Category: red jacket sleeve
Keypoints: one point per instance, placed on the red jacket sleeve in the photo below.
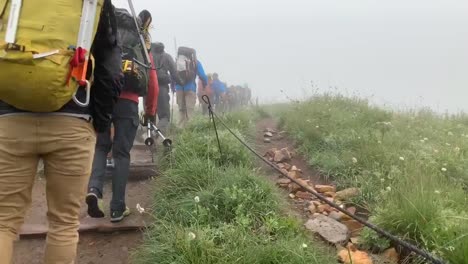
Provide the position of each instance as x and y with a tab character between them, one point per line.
153	91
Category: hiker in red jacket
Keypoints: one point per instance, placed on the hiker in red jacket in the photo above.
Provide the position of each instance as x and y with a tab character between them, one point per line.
126	121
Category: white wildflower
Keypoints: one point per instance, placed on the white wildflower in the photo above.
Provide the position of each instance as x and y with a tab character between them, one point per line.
382	180
359	137
304	245
450	133
388	188
422	141
426	139
402	158
436	151
308	121
437	192
140	209
457	149
448	144
238	121
354	160
444	169
380	142
317	126
197	199
191	236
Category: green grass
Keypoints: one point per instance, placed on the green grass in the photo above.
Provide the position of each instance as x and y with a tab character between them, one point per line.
212	208
412	167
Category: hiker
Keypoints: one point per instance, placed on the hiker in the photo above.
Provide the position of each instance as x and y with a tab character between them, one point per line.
208	91
188	68
219	89
41	118
167	74
125	119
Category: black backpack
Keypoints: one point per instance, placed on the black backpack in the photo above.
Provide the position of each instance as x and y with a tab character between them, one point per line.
135	71
186	65
157	49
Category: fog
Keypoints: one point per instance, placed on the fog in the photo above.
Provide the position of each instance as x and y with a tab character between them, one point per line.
402	53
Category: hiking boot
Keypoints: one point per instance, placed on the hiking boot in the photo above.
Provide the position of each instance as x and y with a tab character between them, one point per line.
95	205
110	163
117	216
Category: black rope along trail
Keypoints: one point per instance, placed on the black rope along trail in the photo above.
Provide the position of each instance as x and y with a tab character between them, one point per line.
423	253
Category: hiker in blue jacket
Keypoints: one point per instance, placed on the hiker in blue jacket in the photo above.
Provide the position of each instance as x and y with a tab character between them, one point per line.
219	89
187	94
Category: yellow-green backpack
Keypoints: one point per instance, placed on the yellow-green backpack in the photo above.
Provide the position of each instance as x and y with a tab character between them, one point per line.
44	51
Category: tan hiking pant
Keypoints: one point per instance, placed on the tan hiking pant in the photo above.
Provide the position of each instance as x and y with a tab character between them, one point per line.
186	106
66	145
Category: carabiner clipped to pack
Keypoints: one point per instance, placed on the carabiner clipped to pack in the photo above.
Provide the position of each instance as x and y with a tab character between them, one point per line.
88	95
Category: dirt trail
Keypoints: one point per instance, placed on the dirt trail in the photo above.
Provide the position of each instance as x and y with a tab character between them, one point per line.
280	142
100	241
299	161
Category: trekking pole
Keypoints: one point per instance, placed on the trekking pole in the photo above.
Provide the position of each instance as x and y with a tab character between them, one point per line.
149	141
140	34
172	104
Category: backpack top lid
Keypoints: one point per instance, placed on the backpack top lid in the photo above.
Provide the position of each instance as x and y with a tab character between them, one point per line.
187	52
128	33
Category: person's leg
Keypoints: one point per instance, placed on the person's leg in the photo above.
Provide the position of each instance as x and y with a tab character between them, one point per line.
191	100
98	172
18	165
67	145
126	124
181	102
164	112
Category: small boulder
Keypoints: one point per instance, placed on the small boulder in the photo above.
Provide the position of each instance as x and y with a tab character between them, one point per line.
354	227
267	140
293	187
312	208
282	155
348	256
284	182
270	153
335	215
351	210
329	229
323	208
288	166
347	194
304	195
325	188
316	203
391	255
294	174
269	130
268	134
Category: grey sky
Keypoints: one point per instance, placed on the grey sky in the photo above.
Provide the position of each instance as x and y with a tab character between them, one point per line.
405	52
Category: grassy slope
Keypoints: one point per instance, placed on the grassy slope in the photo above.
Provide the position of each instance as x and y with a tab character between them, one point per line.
411	167
213	209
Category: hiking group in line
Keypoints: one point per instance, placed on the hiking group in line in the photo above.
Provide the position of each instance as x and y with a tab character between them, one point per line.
69	98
